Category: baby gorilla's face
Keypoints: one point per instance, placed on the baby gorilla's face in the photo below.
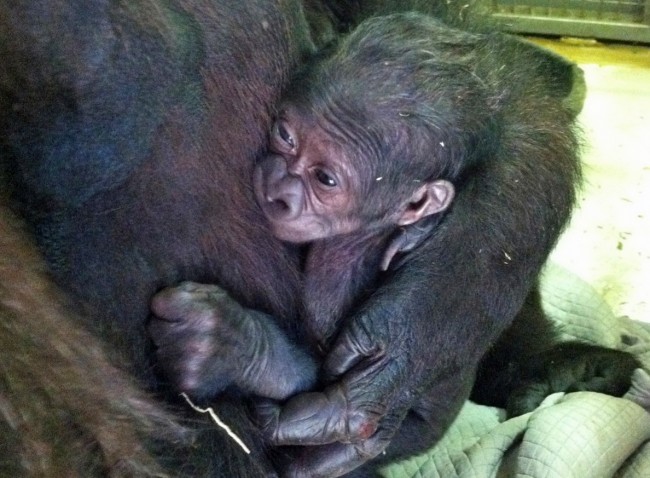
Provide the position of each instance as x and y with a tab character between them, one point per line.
306	186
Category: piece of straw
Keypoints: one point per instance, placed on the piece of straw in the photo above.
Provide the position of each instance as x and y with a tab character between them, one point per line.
219	423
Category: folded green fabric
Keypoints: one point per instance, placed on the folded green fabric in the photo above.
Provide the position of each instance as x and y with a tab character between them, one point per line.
577	435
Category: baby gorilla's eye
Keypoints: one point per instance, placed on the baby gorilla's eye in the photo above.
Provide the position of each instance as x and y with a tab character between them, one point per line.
325	179
284	135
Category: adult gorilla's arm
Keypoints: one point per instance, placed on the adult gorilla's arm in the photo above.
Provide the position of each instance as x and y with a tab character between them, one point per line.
416	343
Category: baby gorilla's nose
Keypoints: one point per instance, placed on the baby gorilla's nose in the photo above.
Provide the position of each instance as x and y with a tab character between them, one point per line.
280	194
285	198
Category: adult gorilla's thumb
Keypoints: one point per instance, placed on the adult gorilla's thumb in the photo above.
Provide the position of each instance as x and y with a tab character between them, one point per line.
354	344
315	418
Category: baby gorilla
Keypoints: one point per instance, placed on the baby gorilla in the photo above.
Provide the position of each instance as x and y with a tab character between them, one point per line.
369	144
355	180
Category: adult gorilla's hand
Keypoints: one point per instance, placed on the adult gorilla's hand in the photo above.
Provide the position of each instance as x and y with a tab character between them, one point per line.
388	360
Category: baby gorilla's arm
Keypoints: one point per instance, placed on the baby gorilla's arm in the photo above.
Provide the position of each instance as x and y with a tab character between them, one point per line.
207	342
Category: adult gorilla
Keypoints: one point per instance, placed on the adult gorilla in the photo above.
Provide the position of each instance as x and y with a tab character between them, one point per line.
129	132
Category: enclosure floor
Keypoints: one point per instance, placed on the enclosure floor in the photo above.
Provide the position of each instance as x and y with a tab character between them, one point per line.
608	240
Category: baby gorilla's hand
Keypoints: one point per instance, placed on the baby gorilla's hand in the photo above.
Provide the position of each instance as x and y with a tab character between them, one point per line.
207	342
195	327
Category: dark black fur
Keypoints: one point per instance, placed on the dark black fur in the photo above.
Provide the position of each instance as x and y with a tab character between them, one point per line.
128	135
529	362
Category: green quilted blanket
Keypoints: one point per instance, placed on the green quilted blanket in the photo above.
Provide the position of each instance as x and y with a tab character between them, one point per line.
577	435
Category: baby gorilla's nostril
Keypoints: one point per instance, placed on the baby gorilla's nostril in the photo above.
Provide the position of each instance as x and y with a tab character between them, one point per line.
280	207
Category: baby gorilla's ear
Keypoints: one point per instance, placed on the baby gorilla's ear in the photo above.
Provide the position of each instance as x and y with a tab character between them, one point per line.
429	198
